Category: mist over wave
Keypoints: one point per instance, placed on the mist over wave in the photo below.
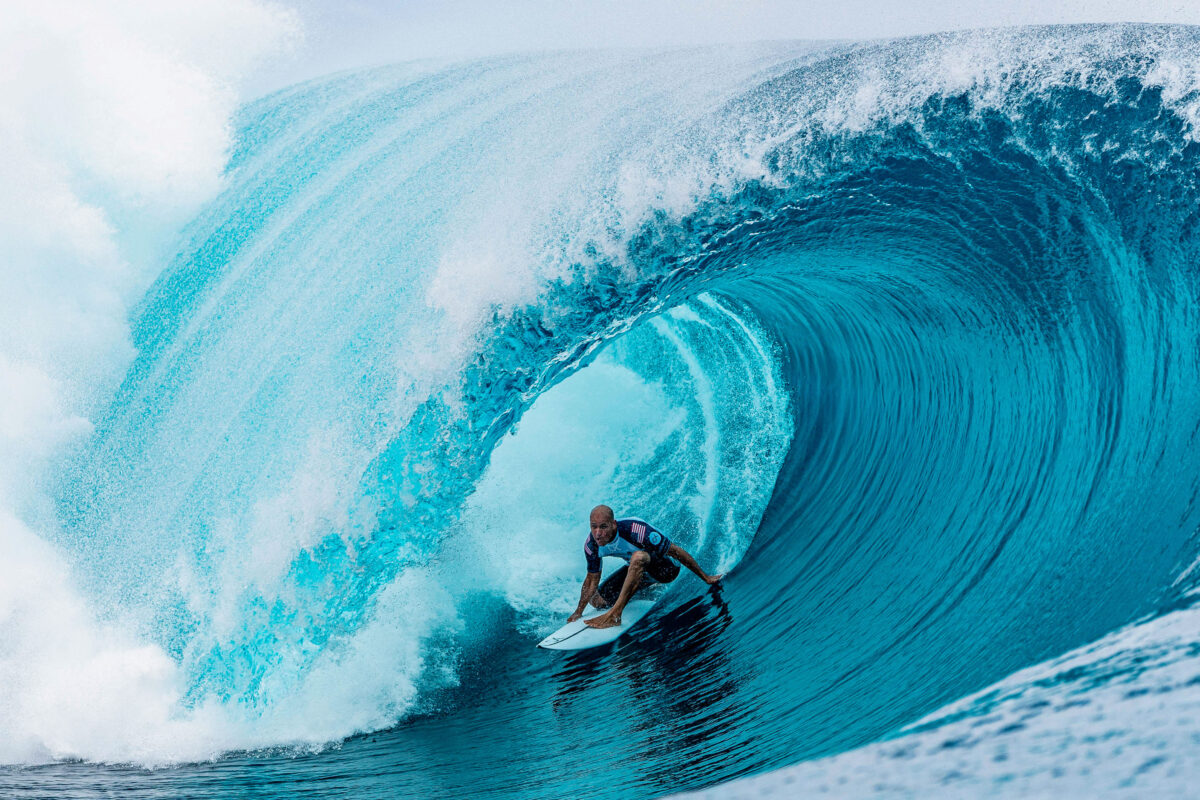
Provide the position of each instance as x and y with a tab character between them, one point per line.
901	333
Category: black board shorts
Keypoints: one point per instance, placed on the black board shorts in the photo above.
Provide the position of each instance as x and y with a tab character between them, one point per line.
659	570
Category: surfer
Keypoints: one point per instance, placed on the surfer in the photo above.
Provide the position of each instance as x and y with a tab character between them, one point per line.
649	554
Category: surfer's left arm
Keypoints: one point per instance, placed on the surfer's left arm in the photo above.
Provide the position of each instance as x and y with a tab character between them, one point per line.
684	557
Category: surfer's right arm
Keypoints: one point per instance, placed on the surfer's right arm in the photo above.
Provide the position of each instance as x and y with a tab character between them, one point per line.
591	555
589	593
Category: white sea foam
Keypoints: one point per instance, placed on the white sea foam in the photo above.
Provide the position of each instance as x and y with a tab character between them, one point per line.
115	127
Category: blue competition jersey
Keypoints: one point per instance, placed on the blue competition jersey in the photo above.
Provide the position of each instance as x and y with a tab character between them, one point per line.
633	534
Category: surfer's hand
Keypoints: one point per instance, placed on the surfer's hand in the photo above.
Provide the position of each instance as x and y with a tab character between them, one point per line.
575	616
603	621
713	580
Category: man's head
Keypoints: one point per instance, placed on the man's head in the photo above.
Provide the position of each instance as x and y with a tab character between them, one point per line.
604	525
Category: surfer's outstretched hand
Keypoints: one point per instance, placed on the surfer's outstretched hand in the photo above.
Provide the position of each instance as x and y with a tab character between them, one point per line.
603	621
713	580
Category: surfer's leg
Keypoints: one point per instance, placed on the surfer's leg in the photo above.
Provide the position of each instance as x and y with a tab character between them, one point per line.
610	590
660	570
633	579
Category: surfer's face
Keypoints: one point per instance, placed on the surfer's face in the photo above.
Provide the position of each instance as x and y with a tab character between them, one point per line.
603	530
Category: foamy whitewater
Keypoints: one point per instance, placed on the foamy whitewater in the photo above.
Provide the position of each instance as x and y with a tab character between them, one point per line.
304	402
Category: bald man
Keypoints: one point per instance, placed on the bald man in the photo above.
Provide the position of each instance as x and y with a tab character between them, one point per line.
649	554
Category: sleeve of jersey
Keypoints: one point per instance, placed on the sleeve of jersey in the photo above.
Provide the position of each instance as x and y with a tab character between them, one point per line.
592	557
651	539
659	541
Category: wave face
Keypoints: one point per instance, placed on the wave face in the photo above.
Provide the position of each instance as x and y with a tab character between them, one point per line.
901	334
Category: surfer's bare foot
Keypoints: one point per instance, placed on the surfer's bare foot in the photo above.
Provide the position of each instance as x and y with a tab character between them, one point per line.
603	621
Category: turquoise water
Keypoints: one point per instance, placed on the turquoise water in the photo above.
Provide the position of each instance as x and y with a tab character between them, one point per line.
901	334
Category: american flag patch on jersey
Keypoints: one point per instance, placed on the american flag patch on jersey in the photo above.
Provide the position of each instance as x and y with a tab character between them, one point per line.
639	529
587	546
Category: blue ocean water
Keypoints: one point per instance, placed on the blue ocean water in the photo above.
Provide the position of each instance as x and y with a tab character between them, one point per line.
901	334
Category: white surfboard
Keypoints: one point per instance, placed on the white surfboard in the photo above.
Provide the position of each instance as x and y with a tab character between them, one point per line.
578	636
